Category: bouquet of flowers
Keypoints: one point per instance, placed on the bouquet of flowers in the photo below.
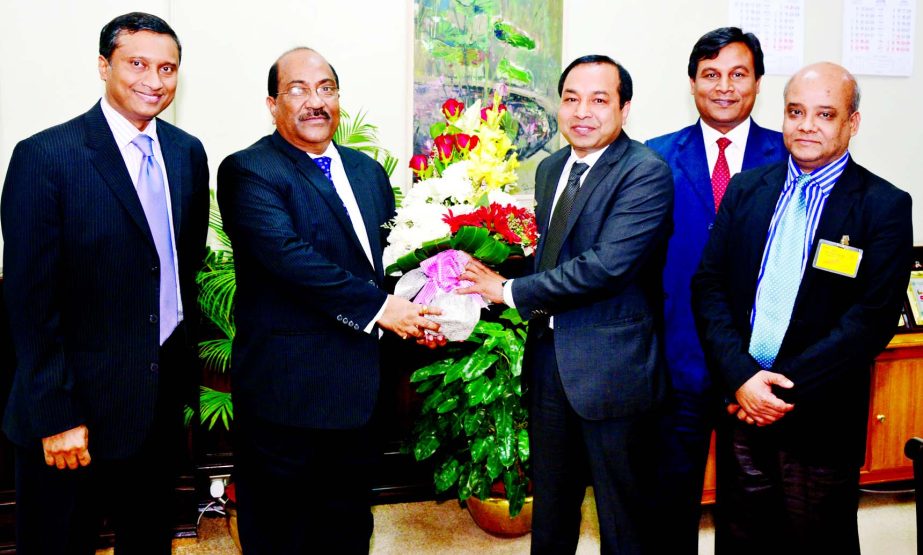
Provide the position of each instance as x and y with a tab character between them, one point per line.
473	423
460	205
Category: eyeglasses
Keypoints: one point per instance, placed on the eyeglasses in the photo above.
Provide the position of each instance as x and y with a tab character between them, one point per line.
323	91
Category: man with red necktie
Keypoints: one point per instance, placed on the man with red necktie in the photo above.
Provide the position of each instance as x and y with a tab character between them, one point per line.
725	68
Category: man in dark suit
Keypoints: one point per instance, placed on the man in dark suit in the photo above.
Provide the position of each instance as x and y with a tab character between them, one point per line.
725	69
105	218
799	288
305	216
596	368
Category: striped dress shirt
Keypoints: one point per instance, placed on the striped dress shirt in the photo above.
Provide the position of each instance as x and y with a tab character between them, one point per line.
816	192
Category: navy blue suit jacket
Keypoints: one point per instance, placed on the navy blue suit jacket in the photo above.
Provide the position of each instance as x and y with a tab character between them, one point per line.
605	293
305	288
82	281
693	216
838	324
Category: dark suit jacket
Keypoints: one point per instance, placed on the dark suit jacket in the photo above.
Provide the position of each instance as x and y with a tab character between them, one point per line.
605	293
839	324
693	216
305	288
82	281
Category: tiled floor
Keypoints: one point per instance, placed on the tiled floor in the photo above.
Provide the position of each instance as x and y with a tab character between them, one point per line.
886	527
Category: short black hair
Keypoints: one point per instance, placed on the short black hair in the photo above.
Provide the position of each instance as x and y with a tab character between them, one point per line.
272	82
131	23
625	88
710	44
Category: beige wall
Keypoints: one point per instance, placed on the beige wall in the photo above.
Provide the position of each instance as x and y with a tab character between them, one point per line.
48	68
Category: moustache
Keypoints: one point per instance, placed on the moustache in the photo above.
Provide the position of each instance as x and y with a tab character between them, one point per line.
314	113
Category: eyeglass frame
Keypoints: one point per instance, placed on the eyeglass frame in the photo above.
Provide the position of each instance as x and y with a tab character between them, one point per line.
308	91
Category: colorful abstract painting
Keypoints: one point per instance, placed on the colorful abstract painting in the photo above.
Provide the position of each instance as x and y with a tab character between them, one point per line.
464	49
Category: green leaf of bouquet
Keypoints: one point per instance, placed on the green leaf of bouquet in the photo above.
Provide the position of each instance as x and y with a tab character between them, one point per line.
522	444
446	475
472	371
447	405
473	421
512	35
512	315
494	468
433	369
515	490
468	238
433	401
425	447
491	251
481	447
513	72
476	390
436	129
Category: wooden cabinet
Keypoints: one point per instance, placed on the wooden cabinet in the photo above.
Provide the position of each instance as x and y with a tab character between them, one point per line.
895	414
895	411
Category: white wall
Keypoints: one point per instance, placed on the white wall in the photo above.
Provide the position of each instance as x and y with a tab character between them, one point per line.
48	73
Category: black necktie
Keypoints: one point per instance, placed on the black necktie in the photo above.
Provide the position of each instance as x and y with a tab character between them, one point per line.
554	238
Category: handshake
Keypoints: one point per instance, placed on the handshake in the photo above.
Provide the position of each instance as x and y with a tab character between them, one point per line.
408	319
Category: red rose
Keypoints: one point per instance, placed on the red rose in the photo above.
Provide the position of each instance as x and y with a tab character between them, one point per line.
445	146
500	109
419	163
452	108
466	142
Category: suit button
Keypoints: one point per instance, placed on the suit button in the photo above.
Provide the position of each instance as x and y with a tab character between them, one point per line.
372	281
339	317
155	269
155	367
152	318
356	327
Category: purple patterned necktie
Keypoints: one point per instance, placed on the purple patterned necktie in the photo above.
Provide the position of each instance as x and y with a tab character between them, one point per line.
323	162
154	201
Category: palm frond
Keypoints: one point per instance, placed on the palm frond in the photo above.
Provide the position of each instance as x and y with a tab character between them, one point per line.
216	353
214	406
216	224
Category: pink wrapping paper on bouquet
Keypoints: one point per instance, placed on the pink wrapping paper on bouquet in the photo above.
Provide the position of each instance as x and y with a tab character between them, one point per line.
434	283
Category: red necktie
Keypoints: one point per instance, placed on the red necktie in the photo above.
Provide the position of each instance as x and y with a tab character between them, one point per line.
721	174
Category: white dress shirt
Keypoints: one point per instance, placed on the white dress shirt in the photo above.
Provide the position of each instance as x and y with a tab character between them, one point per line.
345	192
734	151
124	133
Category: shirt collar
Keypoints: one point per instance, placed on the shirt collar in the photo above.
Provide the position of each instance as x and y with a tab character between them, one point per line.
589	159
331	153
737	136
824	177
123	130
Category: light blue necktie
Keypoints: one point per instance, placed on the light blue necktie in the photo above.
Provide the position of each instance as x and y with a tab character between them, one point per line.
154	201
323	162
781	278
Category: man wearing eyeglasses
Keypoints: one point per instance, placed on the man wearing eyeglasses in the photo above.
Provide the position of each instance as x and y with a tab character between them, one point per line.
305	216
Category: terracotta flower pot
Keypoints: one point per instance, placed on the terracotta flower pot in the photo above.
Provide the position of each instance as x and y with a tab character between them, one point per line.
232	527
493	516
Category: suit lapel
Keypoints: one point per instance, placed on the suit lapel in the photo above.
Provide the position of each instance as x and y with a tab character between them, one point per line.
693	163
593	179
109	163
366	197
761	150
324	187
173	159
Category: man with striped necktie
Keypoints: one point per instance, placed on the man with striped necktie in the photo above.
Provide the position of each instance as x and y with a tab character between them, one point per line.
797	292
